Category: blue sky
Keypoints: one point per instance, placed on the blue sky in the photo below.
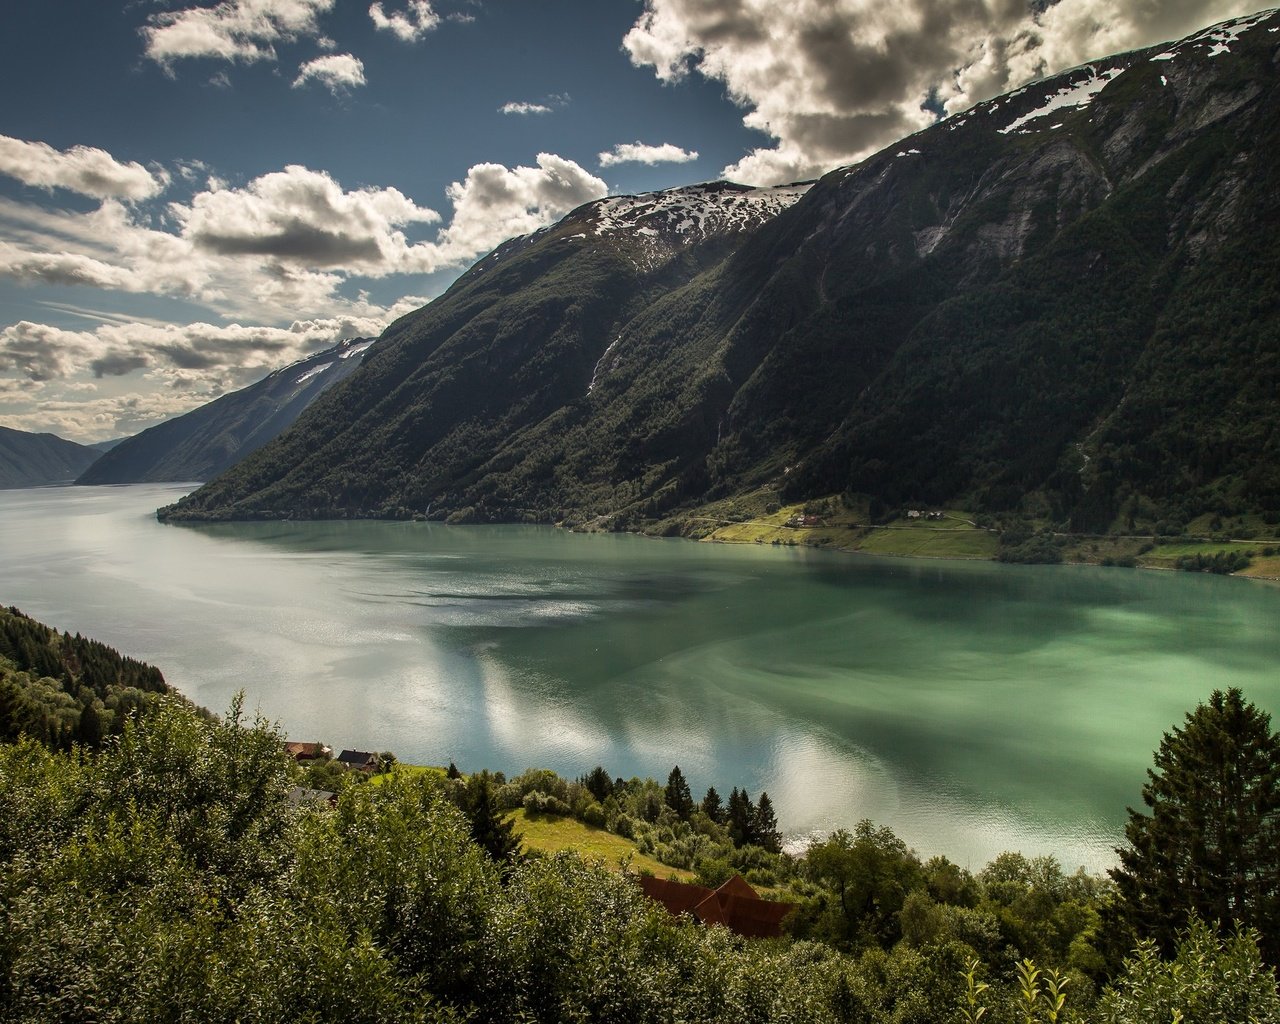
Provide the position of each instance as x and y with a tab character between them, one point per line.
194	193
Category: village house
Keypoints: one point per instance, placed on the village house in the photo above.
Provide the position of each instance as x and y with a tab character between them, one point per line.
301	796
300	751
364	760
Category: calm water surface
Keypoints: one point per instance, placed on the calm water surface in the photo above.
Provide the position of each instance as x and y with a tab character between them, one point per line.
973	707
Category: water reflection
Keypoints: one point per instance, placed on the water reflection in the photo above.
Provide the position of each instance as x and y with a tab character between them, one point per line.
973	707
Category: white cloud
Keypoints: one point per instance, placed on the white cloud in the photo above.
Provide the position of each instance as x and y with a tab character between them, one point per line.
410	24
218	354
494	202
83	169
242	30
177	367
522	107
337	72
304	218
639	153
834	80
284	243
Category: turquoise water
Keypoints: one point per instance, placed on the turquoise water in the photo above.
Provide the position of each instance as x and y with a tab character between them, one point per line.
973	707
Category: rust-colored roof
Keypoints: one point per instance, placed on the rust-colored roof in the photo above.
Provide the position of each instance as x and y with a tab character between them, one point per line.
677	897
298	749
735	905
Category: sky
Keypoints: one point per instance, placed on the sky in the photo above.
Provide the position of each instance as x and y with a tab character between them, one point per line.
193	194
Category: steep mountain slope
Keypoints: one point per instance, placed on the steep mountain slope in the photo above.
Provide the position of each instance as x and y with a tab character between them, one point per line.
34	460
1065	300
202	443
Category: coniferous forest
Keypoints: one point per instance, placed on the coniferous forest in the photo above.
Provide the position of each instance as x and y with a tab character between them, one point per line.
162	873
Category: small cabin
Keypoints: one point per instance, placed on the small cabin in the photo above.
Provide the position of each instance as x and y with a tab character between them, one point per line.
364	760
300	751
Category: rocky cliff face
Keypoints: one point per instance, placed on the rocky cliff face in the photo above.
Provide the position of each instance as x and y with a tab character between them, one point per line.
1060	298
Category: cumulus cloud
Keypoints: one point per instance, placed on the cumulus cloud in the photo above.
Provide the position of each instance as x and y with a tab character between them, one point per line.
303	217
834	80
91	172
285	242
524	108
639	153
337	72
203	353
234	30
495	202
410	24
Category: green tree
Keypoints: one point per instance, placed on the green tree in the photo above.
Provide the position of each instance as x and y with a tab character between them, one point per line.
678	796
712	806
1211	980
598	783
869	872
1211	844
490	828
742	815
765	825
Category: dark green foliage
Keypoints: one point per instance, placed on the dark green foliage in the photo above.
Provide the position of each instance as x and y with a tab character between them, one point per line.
1210	845
599	783
764	823
490	827
869	873
1210	980
1221	563
712	807
677	794
62	689
741	813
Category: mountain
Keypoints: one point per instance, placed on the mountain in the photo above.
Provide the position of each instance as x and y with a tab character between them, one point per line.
202	443
1063	302
35	460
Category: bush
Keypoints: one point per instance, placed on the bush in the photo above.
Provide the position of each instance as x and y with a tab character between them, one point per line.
542	803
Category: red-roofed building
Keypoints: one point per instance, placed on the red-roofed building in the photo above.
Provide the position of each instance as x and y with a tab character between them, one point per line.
735	905
300	751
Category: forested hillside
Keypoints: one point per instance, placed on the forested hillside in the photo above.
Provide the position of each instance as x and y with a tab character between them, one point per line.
63	689
1056	304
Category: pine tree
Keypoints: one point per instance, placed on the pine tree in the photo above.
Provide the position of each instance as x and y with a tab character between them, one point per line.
765	826
1211	844
742	813
678	795
598	783
712	807
490	828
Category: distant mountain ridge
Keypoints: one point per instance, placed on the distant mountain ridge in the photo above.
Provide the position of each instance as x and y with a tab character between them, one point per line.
37	460
1064	301
202	443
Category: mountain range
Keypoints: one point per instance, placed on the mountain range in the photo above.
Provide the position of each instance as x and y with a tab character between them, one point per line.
1062	303
37	460
202	443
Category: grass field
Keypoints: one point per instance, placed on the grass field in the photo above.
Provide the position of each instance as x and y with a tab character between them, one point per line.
551	834
409	769
950	537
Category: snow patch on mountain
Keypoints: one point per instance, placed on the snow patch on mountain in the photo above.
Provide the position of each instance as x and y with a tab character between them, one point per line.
1218	38
656	225
1074	95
